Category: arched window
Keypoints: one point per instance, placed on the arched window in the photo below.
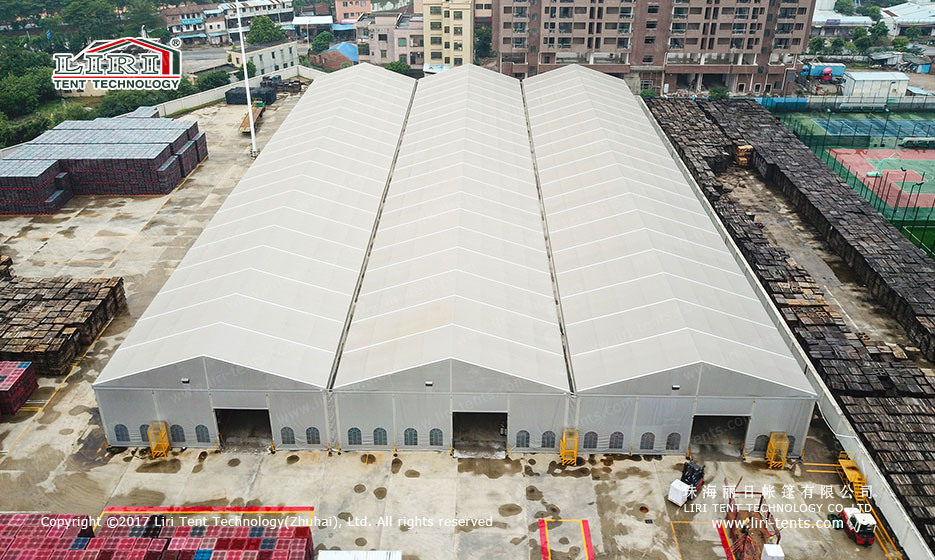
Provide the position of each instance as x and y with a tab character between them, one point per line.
522	438
287	435
791	444
201	434
353	436
647	441
177	433
761	443
590	440
144	433
616	440
122	433
313	436
673	441
379	436
548	440
435	437
411	437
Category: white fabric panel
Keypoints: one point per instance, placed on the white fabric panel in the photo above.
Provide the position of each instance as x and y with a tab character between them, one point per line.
298	411
422	412
604	416
187	409
778	415
132	409
719	406
662	416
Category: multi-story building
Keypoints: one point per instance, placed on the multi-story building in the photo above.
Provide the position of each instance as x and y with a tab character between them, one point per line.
187	22
393	36
268	57
348	11
666	45
448	28
280	11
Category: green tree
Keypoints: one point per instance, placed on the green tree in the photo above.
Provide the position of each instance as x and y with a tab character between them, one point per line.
900	43
863	44
816	45
141	13
718	93
397	66
160	33
837	45
878	31
858	32
482	38
92	19
71	111
251	69
873	12
263	30
21	94
297	5
322	42
649	94
211	80
913	33
845	7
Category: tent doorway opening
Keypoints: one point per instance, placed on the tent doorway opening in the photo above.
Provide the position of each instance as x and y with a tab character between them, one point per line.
722	436
479	434
241	429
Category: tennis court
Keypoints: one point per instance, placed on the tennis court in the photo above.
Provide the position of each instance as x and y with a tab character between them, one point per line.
901	178
895	128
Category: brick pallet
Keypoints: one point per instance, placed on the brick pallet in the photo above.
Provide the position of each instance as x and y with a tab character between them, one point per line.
889	401
17	382
47	322
131	156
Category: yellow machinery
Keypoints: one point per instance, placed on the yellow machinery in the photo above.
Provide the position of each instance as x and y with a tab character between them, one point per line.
742	155
777	450
158	434
851	477
569	448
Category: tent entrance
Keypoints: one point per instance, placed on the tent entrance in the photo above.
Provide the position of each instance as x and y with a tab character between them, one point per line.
239	428
479	434
718	436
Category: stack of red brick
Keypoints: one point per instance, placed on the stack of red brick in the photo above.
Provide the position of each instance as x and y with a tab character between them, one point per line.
17	382
70	537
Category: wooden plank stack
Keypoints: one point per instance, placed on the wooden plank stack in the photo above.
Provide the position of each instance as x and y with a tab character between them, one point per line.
888	399
136	155
48	322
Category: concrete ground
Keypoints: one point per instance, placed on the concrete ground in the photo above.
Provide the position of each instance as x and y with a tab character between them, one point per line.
429	505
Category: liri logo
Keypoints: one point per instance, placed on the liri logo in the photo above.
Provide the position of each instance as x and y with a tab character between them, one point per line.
127	63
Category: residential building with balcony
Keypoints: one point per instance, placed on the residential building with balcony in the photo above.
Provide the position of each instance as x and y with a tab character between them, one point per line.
448	28
748	46
392	36
196	23
280	11
348	11
268	57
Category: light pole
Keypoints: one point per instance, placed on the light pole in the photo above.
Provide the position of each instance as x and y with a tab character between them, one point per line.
246	85
828	124
883	137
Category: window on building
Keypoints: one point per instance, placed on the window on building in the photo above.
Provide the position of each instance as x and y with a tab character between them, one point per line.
648	59
435	10
354	437
144	433
177	433
459	30
402	42
458	15
519	42
457	62
287	435
436	55
122	433
652	24
447	60
761	443
519	11
436	40
313	436
652	9
590	440
616	440
435	25
649	40
201	434
402	58
673	441
548	440
435	437
382	53
623	43
647	441
379	436
411	437
522	439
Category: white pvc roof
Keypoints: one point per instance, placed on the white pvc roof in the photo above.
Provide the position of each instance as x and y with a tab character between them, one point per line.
646	282
269	282
459	267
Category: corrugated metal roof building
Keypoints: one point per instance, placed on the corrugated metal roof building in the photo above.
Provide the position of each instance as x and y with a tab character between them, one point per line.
531	253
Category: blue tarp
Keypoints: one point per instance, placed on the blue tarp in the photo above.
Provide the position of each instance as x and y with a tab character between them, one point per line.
342	26
193	36
347	49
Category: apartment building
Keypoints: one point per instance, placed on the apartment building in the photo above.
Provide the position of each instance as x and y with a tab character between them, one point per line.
448	28
748	46
347	11
268	57
280	11
392	36
195	23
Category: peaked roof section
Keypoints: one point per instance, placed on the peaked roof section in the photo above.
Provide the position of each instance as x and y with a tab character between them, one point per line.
646	282
459	267
269	282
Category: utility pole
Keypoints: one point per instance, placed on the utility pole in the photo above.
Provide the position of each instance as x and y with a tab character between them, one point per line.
246	85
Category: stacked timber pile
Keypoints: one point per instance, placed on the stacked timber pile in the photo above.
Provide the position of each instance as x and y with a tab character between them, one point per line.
48	322
896	272
117	156
6	266
889	400
17	382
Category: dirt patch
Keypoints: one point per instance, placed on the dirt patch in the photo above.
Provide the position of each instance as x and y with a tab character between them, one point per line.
49	416
563	540
91	452
517	540
138	498
397	464
380	493
404	528
556	469
492	468
413	474
233	463
360	489
550	510
161	466
345	516
198	468
80	410
66	432
508	510
292	459
533	493
360	541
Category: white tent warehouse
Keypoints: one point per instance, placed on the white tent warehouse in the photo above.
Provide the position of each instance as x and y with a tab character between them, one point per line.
456	262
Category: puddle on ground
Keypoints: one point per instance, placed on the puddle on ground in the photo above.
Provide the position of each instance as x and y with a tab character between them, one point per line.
360	488
292	459
412	474
162	466
380	493
492	468
507	510
360	541
397	464
233	463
